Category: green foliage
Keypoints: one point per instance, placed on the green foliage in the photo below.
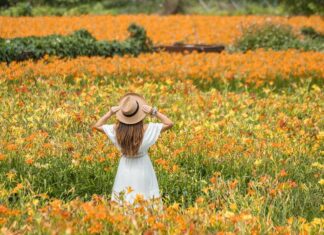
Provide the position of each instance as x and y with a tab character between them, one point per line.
269	36
277	37
79	43
304	7
314	40
79	7
227	7
47	2
312	33
60	178
21	9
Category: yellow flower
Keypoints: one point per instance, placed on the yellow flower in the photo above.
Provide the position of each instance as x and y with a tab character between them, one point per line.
318	221
233	206
247	217
175	206
257	162
139	197
129	189
11	175
320	135
290	220
318	165
228	214
35	202
316	88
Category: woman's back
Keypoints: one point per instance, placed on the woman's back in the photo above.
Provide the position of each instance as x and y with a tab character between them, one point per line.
151	134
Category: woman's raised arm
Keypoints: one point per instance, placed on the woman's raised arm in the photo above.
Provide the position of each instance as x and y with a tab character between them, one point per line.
167	123
104	118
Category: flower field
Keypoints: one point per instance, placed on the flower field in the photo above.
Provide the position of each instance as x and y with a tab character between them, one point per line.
167	30
239	160
204	69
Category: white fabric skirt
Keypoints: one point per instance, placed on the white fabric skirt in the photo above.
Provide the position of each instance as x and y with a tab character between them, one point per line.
137	173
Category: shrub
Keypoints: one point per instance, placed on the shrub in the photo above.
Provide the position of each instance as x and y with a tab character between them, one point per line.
313	40
312	33
268	36
304	7
79	43
21	9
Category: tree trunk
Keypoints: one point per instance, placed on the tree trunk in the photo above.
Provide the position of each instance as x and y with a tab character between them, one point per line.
171	7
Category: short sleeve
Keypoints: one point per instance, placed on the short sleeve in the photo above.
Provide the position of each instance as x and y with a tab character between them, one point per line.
154	132
110	132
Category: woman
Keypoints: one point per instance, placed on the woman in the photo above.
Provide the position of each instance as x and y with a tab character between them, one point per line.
135	173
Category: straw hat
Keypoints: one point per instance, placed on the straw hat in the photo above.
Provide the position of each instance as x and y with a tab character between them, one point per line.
130	108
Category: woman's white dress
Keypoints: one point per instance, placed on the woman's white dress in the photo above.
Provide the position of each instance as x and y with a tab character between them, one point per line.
136	172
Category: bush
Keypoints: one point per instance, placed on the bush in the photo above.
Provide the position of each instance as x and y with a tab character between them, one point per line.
79	43
312	33
304	7
21	9
278	37
268	36
313	40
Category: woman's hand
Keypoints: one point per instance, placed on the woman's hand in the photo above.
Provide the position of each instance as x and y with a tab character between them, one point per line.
147	109
114	109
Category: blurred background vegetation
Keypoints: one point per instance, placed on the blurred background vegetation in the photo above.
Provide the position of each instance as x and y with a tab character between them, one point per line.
213	7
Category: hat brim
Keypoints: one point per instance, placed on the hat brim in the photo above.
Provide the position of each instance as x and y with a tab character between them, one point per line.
140	114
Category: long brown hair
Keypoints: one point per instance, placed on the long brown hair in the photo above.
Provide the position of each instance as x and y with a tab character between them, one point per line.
129	137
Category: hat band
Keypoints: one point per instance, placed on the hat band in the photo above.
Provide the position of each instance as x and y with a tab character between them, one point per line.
133	113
